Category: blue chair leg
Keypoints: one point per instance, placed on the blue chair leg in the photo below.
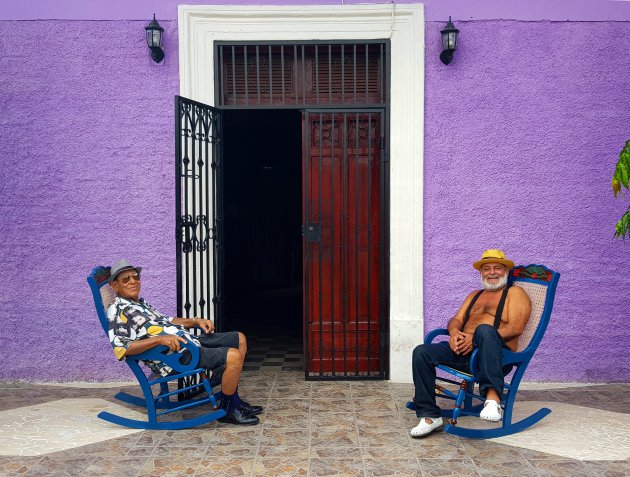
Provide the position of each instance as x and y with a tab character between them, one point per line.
461	396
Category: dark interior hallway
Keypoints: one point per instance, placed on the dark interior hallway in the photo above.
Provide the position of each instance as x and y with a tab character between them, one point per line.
262	210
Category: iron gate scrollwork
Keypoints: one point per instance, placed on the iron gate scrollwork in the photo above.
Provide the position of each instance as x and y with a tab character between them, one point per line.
198	212
195	233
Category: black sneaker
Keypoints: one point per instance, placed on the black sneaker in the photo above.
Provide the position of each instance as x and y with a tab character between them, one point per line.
250	410
240	418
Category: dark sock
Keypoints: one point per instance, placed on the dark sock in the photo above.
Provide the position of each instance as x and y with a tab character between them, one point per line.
230	402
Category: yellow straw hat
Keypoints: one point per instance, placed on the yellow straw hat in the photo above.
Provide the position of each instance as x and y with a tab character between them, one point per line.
493	256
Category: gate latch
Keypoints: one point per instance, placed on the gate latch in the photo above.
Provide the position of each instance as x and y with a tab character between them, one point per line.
312	232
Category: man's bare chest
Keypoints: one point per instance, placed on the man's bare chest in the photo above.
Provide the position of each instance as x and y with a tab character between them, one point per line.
485	305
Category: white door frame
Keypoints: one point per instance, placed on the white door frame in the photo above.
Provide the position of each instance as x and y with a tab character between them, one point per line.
200	26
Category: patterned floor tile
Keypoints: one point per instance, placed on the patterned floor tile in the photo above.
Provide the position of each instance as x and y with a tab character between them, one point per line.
381	436
400	467
430	448
225	467
339	428
609	468
284	437
114	467
561	468
295	451
168	467
334	438
214	450
334	405
448	468
182	438
333	420
288	405
365	422
286	420
348	467
376	405
487	450
61	466
504	467
279	466
335	452
17	465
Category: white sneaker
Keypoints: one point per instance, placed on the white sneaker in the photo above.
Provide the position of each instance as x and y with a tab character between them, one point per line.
424	428
491	411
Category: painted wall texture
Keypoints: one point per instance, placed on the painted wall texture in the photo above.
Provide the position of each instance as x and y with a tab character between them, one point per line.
522	132
87	152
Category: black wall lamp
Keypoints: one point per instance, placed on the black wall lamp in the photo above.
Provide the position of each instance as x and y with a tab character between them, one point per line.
154	39
449	42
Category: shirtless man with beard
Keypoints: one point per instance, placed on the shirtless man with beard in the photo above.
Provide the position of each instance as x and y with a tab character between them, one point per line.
489	320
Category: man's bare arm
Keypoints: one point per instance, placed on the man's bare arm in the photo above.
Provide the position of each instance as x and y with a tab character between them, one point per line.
206	325
140	346
518	311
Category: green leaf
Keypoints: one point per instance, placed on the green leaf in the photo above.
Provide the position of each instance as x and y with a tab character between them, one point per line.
622	228
624	174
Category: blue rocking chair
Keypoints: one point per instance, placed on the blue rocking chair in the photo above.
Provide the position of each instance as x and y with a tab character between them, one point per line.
103	296
540	284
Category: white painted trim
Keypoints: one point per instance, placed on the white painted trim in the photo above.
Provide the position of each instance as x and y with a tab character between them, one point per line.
201	26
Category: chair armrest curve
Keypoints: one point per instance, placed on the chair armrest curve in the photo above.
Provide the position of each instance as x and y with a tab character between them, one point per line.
510	357
162	353
431	335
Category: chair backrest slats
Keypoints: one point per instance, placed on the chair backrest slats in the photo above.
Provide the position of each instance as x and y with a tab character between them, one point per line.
102	293
540	284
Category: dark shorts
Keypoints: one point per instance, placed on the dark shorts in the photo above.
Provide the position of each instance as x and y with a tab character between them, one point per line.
214	348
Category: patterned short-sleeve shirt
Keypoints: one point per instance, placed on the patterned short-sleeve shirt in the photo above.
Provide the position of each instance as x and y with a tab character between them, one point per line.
131	320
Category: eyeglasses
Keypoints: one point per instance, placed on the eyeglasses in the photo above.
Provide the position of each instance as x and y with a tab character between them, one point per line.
124	280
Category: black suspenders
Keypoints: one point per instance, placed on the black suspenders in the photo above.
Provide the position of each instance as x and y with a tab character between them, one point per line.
497	316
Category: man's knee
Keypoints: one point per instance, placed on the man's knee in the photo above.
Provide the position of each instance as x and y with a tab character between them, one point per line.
242	339
484	332
420	353
234	358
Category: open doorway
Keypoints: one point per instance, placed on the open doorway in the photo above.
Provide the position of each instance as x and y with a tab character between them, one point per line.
262	206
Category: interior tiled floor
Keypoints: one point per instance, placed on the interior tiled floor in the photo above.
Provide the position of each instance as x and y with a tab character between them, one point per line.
274	354
311	428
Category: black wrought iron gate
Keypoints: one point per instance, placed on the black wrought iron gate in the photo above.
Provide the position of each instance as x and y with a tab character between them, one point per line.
198	209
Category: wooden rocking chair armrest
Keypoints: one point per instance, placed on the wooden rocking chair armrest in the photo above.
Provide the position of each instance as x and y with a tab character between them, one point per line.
511	357
431	335
161	353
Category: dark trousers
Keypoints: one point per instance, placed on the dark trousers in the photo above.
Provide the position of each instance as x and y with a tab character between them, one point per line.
426	357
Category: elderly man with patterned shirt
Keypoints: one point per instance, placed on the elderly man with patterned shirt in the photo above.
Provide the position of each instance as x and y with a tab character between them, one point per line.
488	320
135	326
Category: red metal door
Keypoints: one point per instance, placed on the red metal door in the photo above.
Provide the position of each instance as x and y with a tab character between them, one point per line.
343	200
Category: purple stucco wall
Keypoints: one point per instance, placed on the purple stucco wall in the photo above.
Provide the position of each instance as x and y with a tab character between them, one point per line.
87	147
435	10
522	131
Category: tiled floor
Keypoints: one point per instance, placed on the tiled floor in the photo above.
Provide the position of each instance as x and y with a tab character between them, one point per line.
311	428
274	354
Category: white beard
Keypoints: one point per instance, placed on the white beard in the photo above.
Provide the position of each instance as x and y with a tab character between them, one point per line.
500	284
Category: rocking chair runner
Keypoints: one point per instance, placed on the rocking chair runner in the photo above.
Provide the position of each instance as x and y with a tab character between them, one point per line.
540	284
103	296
